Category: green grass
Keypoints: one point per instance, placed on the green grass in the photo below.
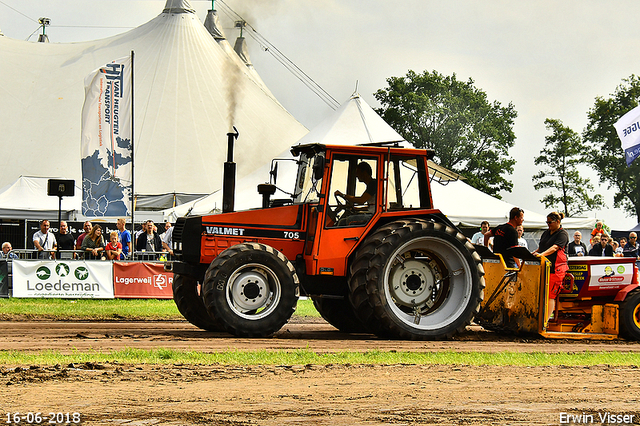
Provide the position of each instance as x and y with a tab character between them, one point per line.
306	356
110	309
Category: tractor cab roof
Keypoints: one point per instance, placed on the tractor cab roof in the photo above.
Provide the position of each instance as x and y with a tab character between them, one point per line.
314	148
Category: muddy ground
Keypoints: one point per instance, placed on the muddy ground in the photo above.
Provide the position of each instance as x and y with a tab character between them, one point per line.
124	394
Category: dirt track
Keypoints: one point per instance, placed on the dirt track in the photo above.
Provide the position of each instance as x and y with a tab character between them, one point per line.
111	393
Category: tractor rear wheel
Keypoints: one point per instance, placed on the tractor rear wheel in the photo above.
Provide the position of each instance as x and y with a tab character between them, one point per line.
340	314
251	289
630	316
423	281
191	305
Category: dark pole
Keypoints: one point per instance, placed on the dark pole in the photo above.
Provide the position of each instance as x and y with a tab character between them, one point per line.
59	211
133	226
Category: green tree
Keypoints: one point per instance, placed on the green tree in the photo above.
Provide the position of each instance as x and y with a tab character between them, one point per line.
561	154
605	154
469	134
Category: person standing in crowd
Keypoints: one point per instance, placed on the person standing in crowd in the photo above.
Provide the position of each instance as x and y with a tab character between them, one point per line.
124	236
597	231
505	236
6	251
478	237
143	230
149	241
602	247
553	244
93	243
65	241
167	240
113	249
632	248
521	241
44	241
167	226
577	247
617	250
87	228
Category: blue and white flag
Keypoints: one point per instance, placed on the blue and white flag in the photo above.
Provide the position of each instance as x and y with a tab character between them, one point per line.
628	128
106	141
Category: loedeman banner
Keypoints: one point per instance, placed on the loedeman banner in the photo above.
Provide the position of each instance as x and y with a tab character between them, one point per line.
106	141
142	280
66	280
628	128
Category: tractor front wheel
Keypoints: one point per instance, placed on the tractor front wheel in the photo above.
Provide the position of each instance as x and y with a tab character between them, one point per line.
251	289
630	316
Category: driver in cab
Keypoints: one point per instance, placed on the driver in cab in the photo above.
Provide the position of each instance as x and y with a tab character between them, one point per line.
363	174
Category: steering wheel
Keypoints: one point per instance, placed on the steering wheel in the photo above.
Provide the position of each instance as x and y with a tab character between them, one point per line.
343	204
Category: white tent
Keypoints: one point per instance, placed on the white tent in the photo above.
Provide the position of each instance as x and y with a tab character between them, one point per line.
354	123
26	198
189	90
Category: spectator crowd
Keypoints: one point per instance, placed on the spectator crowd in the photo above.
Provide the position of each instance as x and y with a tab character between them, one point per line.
92	244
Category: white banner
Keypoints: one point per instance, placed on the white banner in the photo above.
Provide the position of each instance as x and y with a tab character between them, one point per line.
60	279
106	141
628	128
611	276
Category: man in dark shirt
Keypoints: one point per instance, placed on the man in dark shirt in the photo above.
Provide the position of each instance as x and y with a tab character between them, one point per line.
577	247
505	236
65	241
632	248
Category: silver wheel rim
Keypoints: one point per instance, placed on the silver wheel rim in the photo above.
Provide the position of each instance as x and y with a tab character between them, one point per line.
253	291
427	283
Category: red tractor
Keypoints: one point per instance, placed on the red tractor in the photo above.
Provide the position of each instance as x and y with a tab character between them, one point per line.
392	265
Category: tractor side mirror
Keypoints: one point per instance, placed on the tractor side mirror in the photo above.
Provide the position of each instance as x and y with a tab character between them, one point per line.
274	172
318	168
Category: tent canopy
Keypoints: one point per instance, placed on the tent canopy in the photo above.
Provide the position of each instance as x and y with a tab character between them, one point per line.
27	198
189	90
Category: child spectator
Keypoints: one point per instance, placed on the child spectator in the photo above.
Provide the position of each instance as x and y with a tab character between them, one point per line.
114	247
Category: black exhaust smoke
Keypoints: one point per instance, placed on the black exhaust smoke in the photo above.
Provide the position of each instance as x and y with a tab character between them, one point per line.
229	177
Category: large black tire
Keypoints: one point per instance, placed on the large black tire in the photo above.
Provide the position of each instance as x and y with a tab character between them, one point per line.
416	279
340	314
191	305
251	289
630	316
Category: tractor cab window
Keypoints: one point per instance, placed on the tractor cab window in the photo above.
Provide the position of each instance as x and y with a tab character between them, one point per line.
407	187
309	178
353	191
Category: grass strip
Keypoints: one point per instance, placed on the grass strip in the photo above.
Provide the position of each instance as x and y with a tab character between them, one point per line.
109	309
306	356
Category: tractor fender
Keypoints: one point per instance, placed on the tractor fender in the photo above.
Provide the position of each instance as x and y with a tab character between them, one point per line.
622	294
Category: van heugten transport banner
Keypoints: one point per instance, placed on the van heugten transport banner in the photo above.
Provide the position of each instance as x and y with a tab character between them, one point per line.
142	280
59	279
106	141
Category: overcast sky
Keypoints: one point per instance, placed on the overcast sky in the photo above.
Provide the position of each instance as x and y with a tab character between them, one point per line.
551	59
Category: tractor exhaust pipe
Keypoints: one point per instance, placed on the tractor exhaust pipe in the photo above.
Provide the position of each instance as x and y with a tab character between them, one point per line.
229	177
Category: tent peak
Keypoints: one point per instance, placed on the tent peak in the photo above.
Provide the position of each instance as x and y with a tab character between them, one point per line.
178	6
211	24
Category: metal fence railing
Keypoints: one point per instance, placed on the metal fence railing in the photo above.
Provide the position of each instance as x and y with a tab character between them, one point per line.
33	254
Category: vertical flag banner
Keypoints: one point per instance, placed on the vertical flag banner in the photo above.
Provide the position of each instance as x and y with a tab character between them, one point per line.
106	141
628	128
